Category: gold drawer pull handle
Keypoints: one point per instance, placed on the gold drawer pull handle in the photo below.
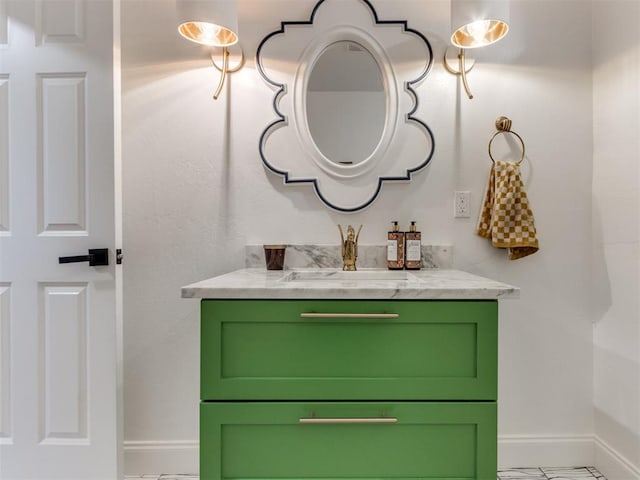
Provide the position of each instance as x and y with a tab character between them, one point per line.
349	315
333	421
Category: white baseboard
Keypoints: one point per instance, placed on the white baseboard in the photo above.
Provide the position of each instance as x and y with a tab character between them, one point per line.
157	457
613	465
545	451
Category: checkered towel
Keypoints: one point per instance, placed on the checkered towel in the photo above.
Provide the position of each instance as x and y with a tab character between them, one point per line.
506	218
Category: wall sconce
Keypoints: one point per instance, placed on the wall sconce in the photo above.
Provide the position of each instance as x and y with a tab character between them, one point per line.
475	23
213	23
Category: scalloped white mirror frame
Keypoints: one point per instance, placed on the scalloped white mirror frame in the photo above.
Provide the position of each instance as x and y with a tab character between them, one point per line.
285	59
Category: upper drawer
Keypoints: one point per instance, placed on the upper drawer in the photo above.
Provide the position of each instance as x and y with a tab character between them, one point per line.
418	350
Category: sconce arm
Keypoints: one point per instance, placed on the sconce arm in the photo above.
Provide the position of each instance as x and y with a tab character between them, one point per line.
463	73
461	70
223	76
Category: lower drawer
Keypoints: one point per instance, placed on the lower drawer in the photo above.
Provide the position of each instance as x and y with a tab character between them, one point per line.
428	440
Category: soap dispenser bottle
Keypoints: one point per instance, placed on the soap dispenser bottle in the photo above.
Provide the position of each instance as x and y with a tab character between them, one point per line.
413	248
395	248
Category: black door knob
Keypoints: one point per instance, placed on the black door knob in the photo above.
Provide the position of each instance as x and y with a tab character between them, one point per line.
97	257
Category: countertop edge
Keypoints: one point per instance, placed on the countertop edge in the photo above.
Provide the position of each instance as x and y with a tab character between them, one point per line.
448	285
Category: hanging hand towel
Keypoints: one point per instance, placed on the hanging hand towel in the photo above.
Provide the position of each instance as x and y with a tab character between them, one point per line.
506	218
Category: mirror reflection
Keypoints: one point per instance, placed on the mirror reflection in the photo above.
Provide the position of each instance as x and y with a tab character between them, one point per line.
346	103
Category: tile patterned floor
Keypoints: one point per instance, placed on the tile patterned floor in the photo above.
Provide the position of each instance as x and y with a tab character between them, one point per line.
162	477
575	473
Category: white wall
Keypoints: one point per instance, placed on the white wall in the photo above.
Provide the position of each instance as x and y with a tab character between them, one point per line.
195	192
616	234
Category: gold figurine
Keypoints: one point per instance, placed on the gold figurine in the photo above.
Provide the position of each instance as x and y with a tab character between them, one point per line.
349	247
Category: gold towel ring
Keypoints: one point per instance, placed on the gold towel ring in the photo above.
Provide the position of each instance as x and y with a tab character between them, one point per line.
503	124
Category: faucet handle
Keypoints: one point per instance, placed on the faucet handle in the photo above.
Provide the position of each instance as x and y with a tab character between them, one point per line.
358	234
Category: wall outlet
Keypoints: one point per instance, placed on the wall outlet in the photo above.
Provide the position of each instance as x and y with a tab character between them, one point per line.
461	204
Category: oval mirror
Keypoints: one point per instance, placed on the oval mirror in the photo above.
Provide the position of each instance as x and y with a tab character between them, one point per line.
346	103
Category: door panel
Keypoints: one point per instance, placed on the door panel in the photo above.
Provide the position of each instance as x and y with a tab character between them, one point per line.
5	363
5	224
4	23
63	365
58	417
59	21
61	153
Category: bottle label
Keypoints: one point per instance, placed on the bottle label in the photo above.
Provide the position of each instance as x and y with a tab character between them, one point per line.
413	250
392	250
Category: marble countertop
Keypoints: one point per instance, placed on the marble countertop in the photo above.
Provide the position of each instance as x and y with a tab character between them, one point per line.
331	283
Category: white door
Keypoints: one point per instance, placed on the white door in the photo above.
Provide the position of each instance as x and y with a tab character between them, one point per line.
58	329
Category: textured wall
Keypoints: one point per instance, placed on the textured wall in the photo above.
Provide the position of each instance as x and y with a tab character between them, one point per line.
616	229
195	192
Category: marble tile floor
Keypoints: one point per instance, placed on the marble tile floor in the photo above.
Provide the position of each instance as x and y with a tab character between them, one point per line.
558	473
564	473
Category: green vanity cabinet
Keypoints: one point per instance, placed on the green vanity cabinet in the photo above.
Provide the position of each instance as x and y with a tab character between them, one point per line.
337	389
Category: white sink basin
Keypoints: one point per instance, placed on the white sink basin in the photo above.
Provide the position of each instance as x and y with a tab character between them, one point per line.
340	275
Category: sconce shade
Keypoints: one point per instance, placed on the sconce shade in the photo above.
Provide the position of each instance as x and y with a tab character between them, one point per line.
208	22
478	23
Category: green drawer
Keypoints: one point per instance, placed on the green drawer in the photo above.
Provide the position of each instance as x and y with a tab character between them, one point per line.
265	350
261	440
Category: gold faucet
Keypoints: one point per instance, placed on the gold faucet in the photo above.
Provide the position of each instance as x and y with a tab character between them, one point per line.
349	247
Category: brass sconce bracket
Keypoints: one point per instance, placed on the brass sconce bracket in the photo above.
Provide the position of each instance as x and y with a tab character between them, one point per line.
226	68
463	66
